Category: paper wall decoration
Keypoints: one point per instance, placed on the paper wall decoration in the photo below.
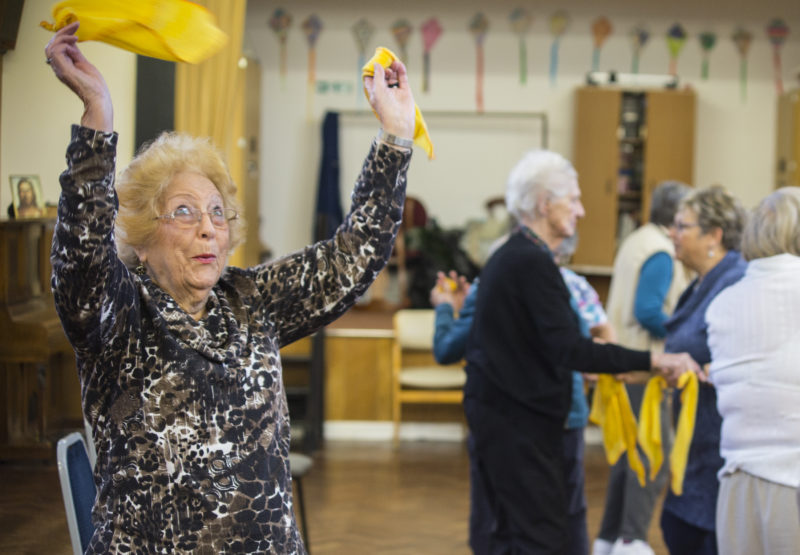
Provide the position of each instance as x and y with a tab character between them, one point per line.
639	37
559	22
431	31
777	30
362	32
401	29
601	29
676	38
479	26
742	38
707	42
521	21
280	22
312	26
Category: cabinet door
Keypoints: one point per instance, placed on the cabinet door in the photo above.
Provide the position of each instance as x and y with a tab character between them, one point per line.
597	116
669	144
788	141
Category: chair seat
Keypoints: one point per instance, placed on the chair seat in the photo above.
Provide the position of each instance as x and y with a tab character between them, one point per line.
300	464
433	377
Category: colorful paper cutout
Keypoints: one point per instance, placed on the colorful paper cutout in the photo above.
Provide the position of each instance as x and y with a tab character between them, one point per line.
280	22
362	32
401	29
707	42
559	22
601	29
312	27
639	37
777	30
479	26
676	39
742	38
521	21
431	31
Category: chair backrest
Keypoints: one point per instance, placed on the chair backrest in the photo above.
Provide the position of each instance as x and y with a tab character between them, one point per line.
413	328
77	488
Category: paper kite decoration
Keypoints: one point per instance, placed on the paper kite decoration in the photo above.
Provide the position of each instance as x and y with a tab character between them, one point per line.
401	29
676	38
559	22
521	21
479	26
280	22
742	38
312	27
707	42
362	32
639	37
777	30
601	29
431	31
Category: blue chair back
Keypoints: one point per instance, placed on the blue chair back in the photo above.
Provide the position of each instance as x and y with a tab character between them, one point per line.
77	488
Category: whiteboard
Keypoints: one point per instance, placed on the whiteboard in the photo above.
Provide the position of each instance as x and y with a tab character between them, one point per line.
474	155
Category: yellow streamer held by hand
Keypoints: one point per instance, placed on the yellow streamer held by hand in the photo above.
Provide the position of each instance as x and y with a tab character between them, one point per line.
385	57
173	30
611	410
650	427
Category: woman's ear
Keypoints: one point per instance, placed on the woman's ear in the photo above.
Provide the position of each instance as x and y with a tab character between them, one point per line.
542	203
716	233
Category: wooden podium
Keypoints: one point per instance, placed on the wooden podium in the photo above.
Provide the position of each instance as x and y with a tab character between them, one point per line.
32	342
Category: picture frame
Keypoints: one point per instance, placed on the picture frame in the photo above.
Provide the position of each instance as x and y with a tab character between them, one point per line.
27	198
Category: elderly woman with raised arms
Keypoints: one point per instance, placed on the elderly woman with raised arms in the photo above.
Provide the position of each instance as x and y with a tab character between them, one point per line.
754	337
178	359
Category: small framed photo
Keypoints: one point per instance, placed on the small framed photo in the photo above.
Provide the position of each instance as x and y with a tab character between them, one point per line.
26	193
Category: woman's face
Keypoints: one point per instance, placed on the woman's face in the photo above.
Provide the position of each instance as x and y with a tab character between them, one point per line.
691	244
563	212
187	260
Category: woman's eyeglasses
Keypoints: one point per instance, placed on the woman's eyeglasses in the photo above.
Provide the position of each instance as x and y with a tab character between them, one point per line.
682	226
186	216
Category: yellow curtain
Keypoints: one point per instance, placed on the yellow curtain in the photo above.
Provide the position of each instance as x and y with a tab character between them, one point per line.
208	96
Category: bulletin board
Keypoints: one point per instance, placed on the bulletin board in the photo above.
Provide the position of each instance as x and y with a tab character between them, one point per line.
474	155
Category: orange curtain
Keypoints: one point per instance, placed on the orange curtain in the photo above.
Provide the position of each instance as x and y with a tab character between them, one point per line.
208	96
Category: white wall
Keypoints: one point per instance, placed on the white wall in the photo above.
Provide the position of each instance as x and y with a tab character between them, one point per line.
37	110
734	141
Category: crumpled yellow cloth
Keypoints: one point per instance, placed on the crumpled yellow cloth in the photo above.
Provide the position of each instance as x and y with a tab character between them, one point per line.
173	30
385	57
650	427
611	410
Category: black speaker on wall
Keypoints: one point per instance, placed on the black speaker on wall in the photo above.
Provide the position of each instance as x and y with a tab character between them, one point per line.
155	98
10	14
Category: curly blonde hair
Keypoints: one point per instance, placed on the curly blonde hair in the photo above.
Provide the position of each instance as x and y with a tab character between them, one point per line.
142	185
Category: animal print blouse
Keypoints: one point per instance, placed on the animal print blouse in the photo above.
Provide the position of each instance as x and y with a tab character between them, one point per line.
190	417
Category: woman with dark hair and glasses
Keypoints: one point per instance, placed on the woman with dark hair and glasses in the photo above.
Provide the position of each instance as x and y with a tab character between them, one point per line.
178	353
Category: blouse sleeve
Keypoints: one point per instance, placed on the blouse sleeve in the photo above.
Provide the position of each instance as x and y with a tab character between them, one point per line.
308	289
90	283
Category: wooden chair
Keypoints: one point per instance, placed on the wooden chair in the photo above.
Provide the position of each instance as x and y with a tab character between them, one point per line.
416	377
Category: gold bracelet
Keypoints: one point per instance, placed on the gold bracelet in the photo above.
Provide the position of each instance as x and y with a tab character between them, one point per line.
394	139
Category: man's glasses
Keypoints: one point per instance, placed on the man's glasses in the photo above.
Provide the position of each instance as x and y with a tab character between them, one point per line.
186	216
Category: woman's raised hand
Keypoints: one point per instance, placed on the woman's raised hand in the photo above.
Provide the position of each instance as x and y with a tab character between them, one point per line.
391	98
75	71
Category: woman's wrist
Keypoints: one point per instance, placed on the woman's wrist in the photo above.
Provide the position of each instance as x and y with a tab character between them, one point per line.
394	140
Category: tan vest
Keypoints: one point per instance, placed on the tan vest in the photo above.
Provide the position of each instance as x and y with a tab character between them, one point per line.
640	245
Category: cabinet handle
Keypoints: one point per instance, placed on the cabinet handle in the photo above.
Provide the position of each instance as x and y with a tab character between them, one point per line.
608	187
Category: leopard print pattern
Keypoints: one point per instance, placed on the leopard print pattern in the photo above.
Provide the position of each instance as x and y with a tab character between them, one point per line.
190	417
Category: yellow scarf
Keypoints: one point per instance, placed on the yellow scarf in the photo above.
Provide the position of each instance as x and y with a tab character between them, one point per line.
650	427
173	30
611	410
385	57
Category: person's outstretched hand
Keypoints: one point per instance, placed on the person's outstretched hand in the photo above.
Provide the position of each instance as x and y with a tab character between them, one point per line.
75	71
451	289
391	98
672	365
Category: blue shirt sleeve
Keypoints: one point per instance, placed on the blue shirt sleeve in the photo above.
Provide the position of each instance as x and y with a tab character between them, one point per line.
450	333
654	280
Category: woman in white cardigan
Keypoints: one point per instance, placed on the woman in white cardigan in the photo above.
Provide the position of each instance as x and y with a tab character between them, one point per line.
754	337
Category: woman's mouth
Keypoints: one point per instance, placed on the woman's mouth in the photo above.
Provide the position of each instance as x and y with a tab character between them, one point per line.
205	258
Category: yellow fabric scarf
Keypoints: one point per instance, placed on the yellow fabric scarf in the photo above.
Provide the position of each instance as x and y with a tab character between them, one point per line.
611	410
173	30
385	57
650	427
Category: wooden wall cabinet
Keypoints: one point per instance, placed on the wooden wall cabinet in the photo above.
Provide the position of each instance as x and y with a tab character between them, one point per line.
626	143
787	163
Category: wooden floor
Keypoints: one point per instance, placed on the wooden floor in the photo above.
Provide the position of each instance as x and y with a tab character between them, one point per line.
361	498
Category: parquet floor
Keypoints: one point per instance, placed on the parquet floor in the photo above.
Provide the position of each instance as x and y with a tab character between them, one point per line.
362	498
